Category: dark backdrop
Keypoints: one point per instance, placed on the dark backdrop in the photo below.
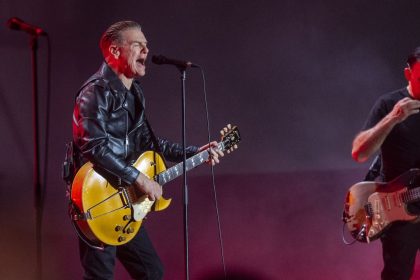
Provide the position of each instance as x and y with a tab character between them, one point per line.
297	77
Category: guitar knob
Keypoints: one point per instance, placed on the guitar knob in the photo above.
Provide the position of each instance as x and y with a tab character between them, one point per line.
130	230
127	217
121	239
117	228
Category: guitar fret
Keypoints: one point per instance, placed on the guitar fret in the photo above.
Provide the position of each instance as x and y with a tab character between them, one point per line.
416	194
178	169
159	179
231	138
191	162
411	195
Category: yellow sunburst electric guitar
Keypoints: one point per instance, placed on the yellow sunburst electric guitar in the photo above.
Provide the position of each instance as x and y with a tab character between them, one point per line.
103	214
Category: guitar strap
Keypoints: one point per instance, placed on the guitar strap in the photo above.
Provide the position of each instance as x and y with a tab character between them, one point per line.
141	101
374	169
156	148
154	139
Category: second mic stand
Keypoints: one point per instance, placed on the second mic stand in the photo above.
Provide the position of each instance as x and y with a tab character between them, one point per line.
36	174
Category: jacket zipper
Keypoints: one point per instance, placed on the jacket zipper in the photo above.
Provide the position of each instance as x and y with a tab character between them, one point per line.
126	135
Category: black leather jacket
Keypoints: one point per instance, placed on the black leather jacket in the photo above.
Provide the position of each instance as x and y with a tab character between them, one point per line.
110	133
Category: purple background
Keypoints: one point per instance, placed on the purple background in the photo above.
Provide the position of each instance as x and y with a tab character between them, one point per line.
297	77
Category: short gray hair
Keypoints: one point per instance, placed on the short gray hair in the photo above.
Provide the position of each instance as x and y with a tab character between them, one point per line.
114	34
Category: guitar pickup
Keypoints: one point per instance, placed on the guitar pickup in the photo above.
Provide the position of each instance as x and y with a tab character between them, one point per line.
368	210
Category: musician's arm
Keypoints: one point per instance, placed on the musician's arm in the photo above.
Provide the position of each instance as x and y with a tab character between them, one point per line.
369	141
90	134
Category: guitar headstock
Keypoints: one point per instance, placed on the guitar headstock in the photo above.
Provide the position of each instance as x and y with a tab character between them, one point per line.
230	138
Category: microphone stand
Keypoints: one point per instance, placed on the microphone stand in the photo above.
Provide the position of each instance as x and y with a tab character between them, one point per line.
36	170
185	186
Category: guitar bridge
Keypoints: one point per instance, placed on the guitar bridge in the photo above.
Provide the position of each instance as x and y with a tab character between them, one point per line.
126	197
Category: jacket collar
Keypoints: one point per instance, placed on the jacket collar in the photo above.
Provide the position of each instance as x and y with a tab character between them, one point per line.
116	84
113	81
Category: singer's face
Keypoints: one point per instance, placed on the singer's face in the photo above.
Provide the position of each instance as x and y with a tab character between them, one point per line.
133	53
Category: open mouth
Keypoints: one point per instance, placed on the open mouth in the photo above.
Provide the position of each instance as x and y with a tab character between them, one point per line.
141	61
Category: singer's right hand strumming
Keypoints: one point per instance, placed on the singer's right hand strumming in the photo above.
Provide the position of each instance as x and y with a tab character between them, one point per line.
149	187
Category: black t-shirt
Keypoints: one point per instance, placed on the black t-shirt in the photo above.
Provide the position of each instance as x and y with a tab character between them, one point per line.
133	106
401	149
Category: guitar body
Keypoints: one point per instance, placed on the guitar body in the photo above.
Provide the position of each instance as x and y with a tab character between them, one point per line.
370	207
112	215
104	214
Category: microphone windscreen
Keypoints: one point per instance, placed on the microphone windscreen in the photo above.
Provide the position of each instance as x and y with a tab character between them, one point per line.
14	23
158	59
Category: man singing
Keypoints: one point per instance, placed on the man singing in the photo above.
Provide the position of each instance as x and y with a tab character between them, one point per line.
110	130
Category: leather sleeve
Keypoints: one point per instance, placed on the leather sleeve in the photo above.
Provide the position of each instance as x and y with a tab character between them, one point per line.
91	136
174	151
171	151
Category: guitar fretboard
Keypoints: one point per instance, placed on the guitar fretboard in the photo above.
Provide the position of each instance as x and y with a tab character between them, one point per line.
411	195
178	169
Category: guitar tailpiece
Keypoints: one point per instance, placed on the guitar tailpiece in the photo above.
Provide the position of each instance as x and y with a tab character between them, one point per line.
78	217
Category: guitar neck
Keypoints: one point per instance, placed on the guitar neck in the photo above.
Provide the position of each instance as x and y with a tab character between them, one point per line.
411	195
178	169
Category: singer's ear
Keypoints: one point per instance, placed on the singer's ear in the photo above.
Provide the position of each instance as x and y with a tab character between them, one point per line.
114	51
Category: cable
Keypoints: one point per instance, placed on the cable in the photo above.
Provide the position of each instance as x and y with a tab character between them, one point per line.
344	238
213	177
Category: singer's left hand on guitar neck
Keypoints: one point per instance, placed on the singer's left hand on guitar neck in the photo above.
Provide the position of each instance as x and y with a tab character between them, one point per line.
214	152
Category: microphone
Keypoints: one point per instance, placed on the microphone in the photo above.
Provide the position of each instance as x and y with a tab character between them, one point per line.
18	24
160	59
